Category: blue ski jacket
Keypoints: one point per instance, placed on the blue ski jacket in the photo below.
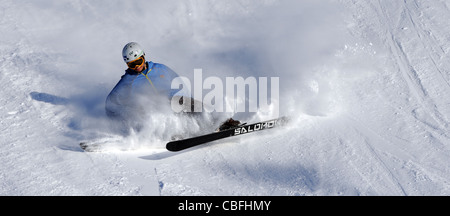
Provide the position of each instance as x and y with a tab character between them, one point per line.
128	97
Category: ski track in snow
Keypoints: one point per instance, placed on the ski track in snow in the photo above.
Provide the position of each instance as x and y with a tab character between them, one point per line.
373	117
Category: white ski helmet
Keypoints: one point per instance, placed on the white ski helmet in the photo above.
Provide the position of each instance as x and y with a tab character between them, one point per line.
132	51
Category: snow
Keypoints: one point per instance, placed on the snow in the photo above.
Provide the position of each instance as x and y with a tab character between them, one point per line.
368	83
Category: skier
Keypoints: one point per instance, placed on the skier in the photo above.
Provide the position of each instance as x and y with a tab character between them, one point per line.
144	85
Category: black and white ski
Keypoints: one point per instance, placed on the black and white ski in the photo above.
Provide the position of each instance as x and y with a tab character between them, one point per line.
98	144
183	144
90	147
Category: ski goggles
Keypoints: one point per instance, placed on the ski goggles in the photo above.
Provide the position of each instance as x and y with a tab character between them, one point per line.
136	63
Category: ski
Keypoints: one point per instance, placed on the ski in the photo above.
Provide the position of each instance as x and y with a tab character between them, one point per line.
98	144
179	145
89	147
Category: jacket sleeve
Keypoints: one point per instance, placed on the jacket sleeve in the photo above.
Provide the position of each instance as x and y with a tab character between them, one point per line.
119	103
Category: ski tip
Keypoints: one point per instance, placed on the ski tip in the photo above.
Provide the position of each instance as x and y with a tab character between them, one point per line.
88	147
172	146
83	145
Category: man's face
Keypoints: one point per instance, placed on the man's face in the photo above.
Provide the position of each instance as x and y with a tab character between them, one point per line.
137	65
140	68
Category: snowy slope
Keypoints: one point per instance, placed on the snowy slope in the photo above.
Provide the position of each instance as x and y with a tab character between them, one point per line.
367	81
